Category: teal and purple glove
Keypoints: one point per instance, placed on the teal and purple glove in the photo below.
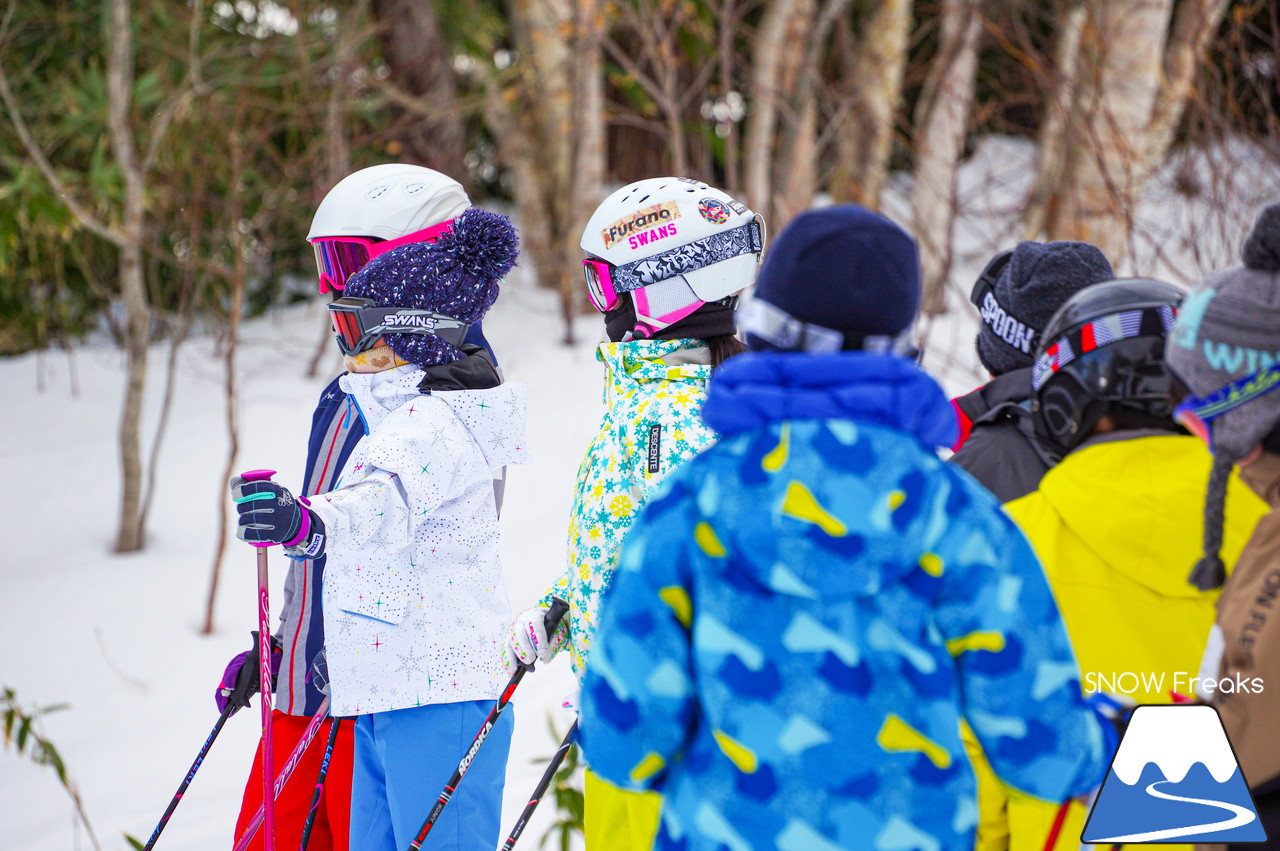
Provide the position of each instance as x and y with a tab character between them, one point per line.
270	515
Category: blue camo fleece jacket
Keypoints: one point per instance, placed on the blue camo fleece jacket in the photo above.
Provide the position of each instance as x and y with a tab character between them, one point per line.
803	615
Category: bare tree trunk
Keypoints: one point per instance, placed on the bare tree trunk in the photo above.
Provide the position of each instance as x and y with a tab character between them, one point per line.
162	425
874	89
796	173
1060	126
129	537
1194	24
544	137
726	24
800	178
588	172
762	108
942	122
420	61
1123	47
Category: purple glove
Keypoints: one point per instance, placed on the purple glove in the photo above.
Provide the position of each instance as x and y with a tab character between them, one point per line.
240	679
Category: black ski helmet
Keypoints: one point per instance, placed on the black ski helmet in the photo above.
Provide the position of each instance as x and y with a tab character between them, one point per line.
1104	346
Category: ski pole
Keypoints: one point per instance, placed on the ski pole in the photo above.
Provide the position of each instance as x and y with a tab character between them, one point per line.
1052	839
186	781
324	771
264	675
541	788
290	764
551	621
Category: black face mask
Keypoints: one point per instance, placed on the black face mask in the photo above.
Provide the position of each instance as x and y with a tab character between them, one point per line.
713	319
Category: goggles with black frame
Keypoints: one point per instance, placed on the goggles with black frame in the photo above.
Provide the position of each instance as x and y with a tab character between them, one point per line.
359	322
987	278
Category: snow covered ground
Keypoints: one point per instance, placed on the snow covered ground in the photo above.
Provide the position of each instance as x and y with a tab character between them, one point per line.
116	637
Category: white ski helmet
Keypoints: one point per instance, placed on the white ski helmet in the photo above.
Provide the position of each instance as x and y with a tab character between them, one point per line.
674	244
373	210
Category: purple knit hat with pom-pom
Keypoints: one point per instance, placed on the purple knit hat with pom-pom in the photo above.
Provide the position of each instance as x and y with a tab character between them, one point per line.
458	276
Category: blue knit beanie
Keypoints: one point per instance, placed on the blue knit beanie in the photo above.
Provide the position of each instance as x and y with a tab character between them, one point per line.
844	268
457	276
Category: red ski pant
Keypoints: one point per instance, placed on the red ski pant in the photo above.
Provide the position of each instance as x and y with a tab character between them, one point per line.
333	819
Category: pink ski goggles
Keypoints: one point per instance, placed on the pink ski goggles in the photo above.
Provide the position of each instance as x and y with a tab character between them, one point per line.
600	284
340	257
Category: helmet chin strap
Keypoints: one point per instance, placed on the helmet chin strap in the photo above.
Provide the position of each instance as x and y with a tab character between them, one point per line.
705	320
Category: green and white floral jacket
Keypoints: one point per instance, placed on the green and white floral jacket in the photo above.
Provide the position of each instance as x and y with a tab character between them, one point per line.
652	424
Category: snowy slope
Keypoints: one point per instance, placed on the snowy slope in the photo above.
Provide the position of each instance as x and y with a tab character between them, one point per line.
116	637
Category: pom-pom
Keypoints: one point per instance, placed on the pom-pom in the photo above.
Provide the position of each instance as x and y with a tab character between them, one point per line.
484	245
1262	248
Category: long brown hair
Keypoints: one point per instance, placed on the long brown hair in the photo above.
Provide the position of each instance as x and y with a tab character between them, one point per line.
724	347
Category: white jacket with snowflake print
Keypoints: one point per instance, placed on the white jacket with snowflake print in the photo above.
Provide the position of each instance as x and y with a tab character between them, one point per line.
415	606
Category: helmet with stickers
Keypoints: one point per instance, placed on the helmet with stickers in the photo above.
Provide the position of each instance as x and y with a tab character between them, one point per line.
672	245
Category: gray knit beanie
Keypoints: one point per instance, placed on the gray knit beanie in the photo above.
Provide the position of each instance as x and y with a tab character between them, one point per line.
1038	279
1227	328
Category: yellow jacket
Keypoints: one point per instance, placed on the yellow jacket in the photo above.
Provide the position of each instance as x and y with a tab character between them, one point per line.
1118	525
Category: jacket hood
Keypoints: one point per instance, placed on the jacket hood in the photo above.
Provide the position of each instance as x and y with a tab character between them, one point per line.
1005	393
834	469
826	509
495	417
758	388
1136	502
640	361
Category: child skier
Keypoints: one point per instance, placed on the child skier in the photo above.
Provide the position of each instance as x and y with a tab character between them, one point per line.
1224	349
666	259
1100	401
367	213
413	592
803	613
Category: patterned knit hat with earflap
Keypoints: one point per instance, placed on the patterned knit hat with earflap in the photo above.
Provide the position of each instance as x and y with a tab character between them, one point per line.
1229	328
457	276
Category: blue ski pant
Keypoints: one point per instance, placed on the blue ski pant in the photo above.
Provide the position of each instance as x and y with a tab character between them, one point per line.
403	759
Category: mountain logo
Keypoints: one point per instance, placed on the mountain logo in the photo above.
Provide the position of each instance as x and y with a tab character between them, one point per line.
1174	778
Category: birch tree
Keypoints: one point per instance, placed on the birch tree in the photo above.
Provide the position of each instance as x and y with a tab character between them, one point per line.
941	124
1138	60
872	88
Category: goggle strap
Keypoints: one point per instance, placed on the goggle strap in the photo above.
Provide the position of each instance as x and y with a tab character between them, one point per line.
779	328
1232	396
1155	320
725	245
987	278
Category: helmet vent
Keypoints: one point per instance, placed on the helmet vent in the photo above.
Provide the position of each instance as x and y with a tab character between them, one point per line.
377	192
414	188
642	200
